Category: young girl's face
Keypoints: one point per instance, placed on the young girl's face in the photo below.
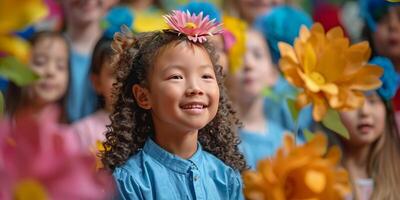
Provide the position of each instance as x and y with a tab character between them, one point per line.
251	9
366	124
183	89
387	35
50	61
103	83
258	71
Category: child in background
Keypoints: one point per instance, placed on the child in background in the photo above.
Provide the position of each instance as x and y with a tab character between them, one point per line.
49	59
282	24
172	133
372	154
92	128
249	10
260	135
383	32
83	31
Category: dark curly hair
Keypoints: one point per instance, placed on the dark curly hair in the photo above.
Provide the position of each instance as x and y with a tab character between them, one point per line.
131	124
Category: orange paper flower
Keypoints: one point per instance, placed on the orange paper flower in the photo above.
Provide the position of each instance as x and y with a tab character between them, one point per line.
298	172
330	71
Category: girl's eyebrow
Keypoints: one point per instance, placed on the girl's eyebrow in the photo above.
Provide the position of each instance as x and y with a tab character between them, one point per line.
180	67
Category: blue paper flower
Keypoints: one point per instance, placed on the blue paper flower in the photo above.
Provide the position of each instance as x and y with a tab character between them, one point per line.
390	78
115	18
207	8
282	23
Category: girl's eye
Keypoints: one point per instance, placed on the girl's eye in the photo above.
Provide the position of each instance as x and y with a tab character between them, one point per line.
207	76
39	61
176	77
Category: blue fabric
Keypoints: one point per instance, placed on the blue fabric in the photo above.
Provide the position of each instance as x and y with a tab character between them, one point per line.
281	24
207	8
390	78
115	18
258	146
81	98
279	113
155	174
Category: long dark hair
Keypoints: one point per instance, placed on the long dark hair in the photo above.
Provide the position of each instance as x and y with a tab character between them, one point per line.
131	125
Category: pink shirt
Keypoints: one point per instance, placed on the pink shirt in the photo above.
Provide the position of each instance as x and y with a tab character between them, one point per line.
92	128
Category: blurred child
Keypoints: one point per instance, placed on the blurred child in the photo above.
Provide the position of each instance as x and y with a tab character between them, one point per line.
92	128
83	31
50	60
282	24
260	135
172	130
372	154
383	32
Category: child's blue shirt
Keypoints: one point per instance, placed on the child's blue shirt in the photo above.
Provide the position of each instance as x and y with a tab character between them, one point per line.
155	174
81	97
258	146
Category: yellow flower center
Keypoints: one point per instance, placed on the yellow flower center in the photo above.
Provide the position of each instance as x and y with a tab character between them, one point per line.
315	181
190	25
29	189
318	78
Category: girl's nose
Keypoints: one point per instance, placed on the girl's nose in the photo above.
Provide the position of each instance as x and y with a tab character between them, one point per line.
365	109
193	91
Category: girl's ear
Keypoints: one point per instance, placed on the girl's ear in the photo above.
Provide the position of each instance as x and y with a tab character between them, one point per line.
142	96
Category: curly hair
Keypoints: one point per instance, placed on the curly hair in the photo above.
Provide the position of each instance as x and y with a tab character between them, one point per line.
131	124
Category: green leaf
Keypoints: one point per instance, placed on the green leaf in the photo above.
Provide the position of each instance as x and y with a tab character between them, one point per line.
15	71
268	92
308	135
294	112
332	121
1	104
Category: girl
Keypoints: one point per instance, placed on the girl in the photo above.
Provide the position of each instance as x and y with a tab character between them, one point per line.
172	129
49	59
383	32
92	128
372	154
261	135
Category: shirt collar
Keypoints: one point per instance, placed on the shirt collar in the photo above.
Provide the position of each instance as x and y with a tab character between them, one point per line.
170	160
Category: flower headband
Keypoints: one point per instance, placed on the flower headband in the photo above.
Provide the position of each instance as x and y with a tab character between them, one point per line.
195	27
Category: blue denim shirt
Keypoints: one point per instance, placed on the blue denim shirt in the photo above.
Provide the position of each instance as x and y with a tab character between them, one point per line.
258	146
154	173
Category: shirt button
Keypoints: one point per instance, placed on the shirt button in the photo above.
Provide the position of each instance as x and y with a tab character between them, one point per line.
195	178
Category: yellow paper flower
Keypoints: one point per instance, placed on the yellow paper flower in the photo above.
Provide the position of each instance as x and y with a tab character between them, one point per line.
238	28
330	71
16	15
15	46
298	172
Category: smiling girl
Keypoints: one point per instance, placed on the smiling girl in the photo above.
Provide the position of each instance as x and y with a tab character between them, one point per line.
172	129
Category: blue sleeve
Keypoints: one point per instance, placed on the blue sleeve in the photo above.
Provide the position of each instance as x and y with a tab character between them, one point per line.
127	187
236	187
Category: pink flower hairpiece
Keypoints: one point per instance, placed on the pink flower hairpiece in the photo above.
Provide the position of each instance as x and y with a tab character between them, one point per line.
195	27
